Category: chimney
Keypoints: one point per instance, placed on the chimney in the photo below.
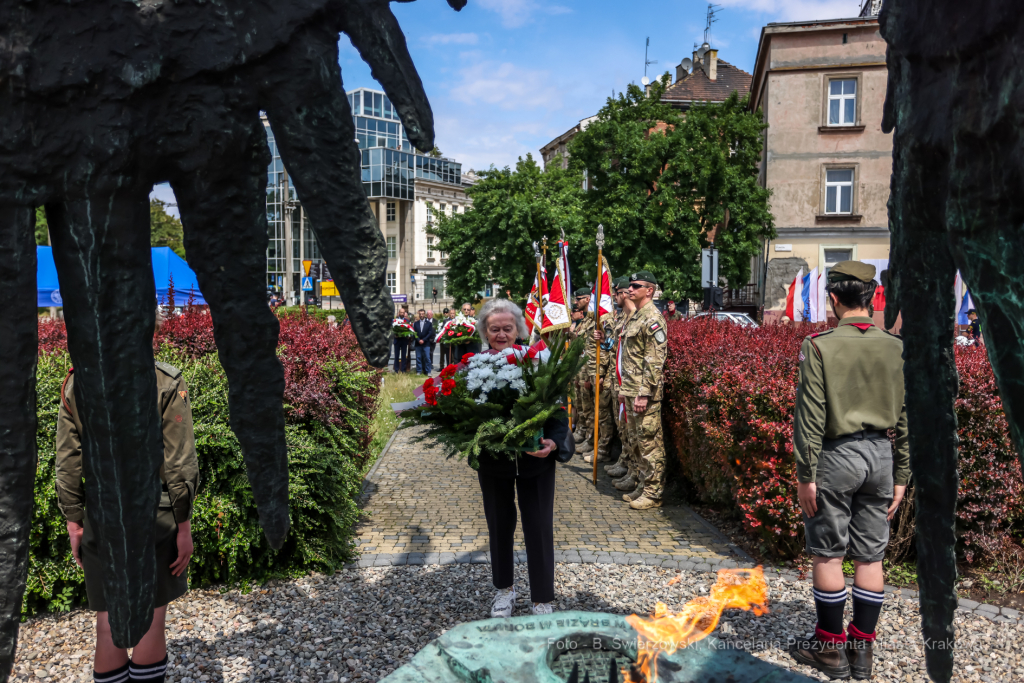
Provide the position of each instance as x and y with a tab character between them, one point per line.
711	57
681	73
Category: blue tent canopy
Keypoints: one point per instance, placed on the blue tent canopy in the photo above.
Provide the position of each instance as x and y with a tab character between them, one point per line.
166	264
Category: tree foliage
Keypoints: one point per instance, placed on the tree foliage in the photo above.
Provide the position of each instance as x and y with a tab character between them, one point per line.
662	185
165	229
492	240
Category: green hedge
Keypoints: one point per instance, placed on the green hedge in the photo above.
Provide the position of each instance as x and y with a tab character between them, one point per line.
325	467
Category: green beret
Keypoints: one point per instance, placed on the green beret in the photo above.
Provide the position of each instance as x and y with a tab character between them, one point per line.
582	291
621	282
851	270
643	276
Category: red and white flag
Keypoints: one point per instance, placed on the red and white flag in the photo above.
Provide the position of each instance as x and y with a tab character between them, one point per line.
602	304
556	309
535	304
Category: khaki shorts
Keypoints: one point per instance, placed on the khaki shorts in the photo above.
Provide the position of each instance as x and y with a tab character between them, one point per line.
855	490
168	586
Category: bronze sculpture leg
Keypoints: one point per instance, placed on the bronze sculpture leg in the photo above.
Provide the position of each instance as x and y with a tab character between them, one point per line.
317	142
922	290
101	250
223	211
18	348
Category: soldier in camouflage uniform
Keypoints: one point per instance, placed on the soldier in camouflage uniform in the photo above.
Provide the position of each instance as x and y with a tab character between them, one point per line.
629	481
620	468
179	475
644	347
583	407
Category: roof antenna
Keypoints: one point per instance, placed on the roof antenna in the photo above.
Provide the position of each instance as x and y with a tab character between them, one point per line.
648	62
711	18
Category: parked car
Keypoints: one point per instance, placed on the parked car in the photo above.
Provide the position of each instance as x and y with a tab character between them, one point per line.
733	317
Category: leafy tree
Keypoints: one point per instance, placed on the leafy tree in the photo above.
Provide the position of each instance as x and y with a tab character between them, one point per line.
436	152
165	229
42	231
492	240
664	186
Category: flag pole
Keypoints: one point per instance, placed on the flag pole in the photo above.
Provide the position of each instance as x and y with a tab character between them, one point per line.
599	290
566	294
539	311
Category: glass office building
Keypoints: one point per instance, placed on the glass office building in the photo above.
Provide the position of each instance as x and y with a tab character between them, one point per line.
390	168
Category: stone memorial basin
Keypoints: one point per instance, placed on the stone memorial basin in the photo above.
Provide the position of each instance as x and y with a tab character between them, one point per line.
574	647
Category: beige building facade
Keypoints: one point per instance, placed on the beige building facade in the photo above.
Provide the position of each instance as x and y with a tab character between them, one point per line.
821	86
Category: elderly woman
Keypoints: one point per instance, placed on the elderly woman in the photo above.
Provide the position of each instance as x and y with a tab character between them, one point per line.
531	475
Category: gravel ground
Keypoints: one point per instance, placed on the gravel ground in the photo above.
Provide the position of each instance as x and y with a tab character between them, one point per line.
361	624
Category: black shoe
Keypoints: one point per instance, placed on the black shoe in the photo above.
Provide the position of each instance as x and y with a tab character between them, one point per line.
861	656
828	658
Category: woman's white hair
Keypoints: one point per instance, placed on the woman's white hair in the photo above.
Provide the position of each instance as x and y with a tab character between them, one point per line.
501	306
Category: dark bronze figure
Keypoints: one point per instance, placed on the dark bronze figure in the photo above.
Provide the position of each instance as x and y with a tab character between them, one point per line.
100	100
956	102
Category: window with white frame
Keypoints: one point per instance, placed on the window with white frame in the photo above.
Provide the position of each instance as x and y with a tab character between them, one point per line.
442	208
838	190
393	283
392	247
834	256
430	247
391	211
430	213
842	102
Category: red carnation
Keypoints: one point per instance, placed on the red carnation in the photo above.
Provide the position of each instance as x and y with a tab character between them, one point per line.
447	386
459	334
428	382
466	357
449	371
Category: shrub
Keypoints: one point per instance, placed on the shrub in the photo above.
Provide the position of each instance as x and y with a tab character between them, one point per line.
729	418
330	396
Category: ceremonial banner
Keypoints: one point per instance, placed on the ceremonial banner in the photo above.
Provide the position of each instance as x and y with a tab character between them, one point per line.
533	318
556	310
602	305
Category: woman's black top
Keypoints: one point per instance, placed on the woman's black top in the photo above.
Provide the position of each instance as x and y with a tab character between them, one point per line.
500	465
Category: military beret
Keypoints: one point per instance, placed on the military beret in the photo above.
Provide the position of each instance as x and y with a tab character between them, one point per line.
621	282
583	291
851	270
643	276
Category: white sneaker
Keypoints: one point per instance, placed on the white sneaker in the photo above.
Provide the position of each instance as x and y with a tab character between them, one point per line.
542	608
504	601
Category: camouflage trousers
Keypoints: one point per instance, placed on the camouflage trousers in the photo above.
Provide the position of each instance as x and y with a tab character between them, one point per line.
630	458
584	409
645	431
606	419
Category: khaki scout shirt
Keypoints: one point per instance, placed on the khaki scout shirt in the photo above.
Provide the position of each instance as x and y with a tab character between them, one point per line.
180	469
851	379
643	346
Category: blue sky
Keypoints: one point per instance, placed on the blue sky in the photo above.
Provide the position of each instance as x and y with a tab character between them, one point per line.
504	77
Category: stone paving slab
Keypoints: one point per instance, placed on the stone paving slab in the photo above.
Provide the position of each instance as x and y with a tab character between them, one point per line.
421	505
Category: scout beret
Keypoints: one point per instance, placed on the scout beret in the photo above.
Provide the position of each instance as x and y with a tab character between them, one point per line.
643	276
851	270
583	291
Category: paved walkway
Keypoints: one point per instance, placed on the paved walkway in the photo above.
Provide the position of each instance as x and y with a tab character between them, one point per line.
425	509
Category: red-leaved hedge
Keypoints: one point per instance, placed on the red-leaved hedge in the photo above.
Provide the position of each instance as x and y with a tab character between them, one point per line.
729	419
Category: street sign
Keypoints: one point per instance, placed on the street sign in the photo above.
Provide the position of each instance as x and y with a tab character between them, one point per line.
708	268
305	266
399	298
307	284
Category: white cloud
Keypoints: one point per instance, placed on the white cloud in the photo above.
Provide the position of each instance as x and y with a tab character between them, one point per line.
799	10
516	13
508	86
452	39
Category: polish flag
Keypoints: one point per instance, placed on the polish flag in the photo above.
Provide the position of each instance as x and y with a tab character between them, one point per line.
794	301
556	310
536	302
812	298
602	305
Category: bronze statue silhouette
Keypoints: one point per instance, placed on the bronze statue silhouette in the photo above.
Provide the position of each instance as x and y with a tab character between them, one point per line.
99	101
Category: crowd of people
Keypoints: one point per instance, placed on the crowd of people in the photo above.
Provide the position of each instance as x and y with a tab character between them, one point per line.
422	346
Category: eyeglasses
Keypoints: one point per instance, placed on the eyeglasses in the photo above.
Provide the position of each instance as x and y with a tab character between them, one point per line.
638	285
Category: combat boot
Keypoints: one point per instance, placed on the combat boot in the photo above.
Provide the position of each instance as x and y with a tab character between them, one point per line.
645	503
637	493
617	470
578	436
828	657
627	483
860	652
